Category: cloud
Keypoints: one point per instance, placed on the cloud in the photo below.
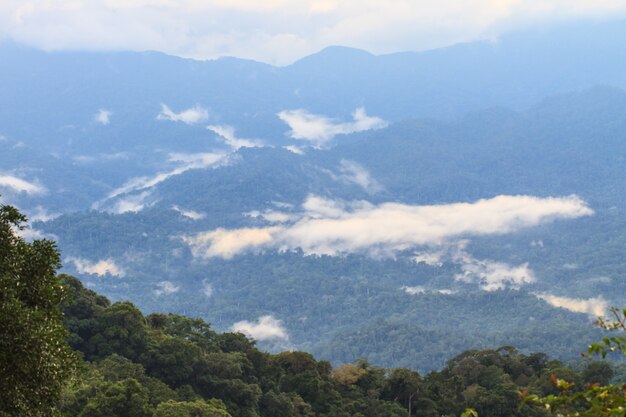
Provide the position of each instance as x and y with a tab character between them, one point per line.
185	163
207	289
294	149
593	307
353	173
272	216
277	31
40	213
417	290
190	116
103	117
21	186
320	130
166	288
228	243
130	204
190	214
100	268
430	258
329	227
492	276
414	290
102	157
29	234
228	134
265	328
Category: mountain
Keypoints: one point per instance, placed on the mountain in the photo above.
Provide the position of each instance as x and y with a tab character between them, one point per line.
469	196
552	275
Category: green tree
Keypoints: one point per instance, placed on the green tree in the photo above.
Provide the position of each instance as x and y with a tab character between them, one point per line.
35	359
126	398
595	400
198	408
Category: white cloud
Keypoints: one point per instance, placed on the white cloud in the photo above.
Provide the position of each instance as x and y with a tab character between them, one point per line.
190	214
353	173
29	234
334	227
186	162
103	117
434	258
130	204
294	149
207	289
594	307
40	213
228	243
21	186
414	290
492	276
102	157
166	288
320	130
228	134
277	31
272	216
100	268
193	115
265	328
417	290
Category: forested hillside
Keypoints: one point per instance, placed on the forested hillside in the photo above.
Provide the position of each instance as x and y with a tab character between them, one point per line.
169	365
558	274
67	351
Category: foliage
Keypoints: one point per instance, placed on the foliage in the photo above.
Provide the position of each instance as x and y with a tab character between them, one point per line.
182	367
35	359
596	398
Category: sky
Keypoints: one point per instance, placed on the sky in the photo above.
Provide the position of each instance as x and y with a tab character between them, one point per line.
279	31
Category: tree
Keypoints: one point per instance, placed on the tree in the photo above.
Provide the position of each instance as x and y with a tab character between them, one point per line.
126	398
198	408
595	400
35	359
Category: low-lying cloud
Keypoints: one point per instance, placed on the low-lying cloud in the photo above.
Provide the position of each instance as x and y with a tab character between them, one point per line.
130	204
185	163
100	268
166	288
492	276
319	130
228	243
103	117
351	172
265	328
190	214
193	115
21	186
330	227
593	307
207	289
227	133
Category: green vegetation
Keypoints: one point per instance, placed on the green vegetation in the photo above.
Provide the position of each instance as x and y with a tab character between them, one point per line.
35	359
171	365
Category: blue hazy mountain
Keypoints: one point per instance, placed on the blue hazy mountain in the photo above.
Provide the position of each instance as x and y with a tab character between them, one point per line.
540	113
49	99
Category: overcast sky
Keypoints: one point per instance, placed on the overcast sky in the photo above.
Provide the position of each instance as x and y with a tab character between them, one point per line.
279	31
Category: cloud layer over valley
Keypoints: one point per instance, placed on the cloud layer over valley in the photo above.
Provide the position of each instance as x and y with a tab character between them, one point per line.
330	227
